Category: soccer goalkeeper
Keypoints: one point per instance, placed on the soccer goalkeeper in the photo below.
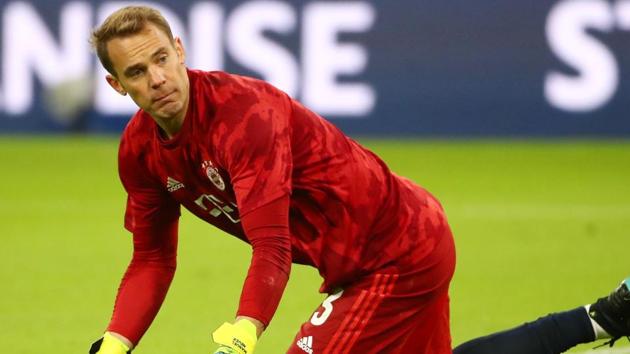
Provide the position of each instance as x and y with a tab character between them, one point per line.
248	159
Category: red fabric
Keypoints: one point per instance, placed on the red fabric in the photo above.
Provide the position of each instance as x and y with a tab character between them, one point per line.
244	145
268	232
146	281
397	310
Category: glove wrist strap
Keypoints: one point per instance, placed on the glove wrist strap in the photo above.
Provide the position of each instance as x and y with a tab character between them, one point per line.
111	341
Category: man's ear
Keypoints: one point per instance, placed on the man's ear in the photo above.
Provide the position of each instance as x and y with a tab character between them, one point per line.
115	84
179	48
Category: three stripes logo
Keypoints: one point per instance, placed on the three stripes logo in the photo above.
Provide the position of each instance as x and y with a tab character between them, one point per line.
306	344
172	184
361	311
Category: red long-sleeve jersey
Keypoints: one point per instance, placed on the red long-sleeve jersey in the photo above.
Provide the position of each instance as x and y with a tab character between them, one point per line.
257	164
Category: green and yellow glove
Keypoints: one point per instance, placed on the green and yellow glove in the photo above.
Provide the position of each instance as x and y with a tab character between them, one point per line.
237	338
109	345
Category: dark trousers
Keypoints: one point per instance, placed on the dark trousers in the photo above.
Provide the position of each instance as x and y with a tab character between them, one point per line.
552	334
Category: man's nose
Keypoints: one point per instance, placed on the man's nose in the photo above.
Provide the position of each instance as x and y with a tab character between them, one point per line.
157	77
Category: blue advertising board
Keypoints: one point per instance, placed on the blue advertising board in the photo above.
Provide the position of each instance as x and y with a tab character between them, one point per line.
418	68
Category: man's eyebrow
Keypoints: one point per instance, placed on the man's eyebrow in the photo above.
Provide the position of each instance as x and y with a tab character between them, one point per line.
158	52
130	69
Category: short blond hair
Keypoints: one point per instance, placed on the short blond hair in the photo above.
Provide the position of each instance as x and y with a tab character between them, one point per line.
125	22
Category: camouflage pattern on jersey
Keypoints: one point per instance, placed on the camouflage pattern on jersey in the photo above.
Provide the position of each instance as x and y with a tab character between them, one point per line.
244	144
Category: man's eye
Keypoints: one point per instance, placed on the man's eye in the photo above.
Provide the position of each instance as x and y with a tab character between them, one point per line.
162	59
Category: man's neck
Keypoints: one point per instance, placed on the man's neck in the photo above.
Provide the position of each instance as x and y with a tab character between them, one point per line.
170	128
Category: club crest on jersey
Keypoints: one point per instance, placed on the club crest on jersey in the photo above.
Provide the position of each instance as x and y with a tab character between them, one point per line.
213	174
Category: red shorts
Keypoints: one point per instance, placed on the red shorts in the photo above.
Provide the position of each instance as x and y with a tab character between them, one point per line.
393	311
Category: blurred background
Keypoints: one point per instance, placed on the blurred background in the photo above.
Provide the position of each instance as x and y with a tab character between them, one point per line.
514	113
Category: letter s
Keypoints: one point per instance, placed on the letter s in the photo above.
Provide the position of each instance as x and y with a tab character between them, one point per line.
597	70
247	43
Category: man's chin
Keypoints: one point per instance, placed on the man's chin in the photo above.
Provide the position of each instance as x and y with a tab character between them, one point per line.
167	111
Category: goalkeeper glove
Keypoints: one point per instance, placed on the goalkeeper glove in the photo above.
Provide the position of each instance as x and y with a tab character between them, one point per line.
109	345
237	338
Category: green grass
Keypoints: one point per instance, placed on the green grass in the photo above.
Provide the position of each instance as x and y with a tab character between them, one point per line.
540	226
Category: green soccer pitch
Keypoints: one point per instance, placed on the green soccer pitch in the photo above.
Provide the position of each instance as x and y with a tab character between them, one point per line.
540	226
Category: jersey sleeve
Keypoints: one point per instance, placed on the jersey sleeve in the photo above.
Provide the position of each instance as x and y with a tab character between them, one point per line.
146	281
148	205
152	217
258	159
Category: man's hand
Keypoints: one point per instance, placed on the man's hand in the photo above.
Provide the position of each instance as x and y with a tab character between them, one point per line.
237	338
109	344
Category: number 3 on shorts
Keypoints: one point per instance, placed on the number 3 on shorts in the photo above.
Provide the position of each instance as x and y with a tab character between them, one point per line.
318	319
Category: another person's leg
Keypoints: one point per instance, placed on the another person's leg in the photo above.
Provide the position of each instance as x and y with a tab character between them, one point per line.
607	318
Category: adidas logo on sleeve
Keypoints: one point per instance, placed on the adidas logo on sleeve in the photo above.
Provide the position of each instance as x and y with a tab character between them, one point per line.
306	344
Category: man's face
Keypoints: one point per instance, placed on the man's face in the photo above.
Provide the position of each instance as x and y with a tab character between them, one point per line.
151	69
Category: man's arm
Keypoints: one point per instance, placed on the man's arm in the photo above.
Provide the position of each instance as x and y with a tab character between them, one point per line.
142	289
257	156
146	281
268	232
